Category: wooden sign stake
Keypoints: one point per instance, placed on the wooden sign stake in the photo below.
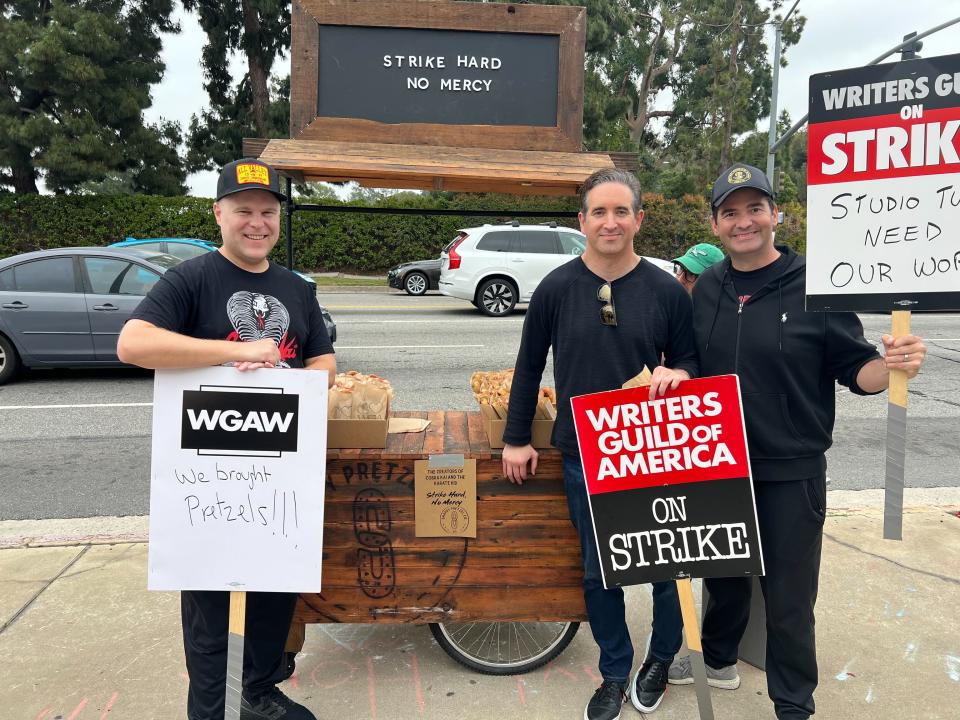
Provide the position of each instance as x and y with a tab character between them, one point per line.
238	619
896	438
691	629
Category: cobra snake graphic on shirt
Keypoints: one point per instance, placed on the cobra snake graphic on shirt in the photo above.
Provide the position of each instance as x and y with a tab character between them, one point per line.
256	316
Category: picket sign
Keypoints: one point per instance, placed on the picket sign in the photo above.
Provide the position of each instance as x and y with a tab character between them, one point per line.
669	489
882	210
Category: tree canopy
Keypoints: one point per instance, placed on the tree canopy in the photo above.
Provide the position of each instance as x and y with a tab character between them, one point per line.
75	77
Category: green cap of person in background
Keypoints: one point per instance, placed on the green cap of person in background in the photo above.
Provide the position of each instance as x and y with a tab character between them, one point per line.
687	267
700	257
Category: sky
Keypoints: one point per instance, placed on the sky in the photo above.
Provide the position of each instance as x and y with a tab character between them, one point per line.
839	34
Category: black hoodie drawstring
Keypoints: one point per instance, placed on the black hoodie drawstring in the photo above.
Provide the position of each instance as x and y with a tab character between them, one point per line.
716	310
780	319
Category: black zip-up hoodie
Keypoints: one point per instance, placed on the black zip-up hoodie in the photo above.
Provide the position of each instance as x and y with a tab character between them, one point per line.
787	359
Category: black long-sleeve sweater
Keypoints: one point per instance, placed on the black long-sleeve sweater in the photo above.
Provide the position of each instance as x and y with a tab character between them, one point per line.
788	361
654	316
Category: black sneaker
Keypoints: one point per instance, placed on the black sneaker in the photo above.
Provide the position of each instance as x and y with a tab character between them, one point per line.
649	685
606	702
272	705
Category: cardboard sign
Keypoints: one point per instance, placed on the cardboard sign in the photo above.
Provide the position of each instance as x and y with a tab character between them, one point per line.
669	483
237	480
445	496
883	187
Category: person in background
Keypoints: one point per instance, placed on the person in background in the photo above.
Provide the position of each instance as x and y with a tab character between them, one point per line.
687	267
234	307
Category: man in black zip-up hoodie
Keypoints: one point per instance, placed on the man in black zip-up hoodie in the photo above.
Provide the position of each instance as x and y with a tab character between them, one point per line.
749	319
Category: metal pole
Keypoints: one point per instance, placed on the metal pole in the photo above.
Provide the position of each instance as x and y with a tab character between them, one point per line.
772	137
289	213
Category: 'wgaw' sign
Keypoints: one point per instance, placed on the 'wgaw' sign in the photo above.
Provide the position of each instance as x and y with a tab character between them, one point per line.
237	480
668	482
883	187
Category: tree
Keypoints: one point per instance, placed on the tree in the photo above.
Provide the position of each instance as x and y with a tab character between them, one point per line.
260	30
722	84
74	80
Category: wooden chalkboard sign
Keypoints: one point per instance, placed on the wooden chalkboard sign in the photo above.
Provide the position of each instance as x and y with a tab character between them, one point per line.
419	72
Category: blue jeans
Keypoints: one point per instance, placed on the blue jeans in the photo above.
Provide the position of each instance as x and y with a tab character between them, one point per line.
605	608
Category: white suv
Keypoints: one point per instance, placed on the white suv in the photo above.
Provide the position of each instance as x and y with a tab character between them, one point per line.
497	266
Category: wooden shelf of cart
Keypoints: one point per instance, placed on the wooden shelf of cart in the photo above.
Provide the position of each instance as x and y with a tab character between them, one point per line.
524	564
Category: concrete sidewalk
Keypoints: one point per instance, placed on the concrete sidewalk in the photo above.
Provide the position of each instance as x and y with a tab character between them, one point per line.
81	638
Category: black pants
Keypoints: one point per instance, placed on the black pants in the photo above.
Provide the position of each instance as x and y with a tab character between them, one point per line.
205	619
791	516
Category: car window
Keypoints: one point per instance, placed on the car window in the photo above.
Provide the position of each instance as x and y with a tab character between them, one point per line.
48	275
496	241
110	276
105	274
138	281
151	246
538	242
446	248
184	251
6	279
571	243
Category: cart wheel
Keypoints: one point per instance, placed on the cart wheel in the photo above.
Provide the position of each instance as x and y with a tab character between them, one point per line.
504	648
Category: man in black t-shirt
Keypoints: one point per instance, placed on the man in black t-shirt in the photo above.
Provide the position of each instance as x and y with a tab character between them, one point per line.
749	318
234	307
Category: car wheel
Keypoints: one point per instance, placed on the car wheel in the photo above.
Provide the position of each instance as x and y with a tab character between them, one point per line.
496	297
416	283
9	361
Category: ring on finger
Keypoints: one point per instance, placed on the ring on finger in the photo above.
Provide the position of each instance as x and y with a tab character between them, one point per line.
906	356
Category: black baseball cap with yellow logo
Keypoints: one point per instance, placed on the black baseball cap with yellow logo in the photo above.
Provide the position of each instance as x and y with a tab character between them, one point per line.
248	174
736	177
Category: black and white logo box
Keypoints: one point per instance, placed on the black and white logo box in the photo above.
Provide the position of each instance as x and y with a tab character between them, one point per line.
883	187
239	421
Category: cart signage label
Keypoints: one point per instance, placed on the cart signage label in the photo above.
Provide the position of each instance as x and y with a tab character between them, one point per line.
237	480
883	187
445	496
668	481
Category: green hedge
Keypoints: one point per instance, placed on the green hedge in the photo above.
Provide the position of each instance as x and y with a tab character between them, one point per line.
336	241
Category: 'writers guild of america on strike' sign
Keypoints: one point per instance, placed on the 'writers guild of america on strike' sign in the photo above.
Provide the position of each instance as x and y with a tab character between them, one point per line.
668	482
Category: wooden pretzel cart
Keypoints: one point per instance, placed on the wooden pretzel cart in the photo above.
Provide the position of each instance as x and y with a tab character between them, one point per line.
503	603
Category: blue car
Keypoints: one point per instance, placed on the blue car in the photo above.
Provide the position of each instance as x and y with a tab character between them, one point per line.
183	248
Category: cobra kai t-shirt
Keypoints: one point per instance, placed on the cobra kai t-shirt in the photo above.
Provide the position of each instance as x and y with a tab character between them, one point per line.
211	298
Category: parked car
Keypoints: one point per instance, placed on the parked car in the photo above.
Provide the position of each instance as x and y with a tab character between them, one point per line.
415	277
183	248
66	307
497	266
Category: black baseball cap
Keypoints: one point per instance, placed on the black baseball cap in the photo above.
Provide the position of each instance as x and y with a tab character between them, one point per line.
248	174
736	177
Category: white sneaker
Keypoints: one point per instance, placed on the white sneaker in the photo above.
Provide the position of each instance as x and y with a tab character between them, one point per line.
725	678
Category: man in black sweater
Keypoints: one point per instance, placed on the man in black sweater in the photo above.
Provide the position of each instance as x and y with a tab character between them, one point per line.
749	319
606	314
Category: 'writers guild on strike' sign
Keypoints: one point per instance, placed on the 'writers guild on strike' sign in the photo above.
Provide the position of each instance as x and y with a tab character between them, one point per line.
237	480
883	187
668	482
